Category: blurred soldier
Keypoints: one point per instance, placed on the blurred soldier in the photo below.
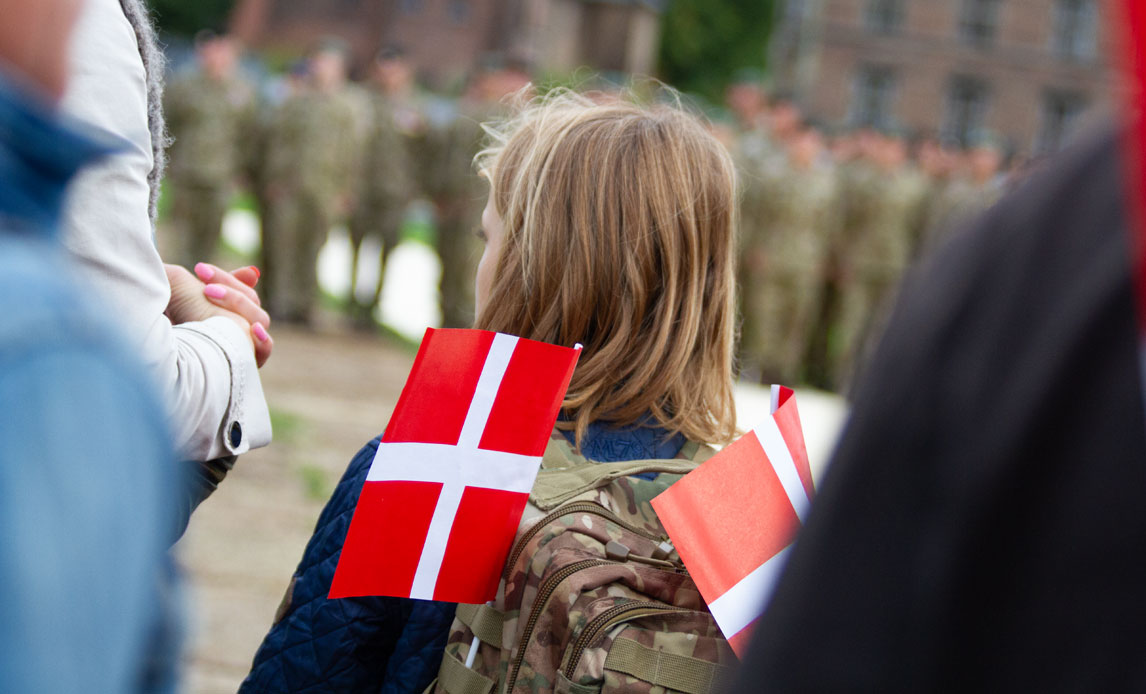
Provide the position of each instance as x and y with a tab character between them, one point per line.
386	184
974	186
257	160
748	104
208	111
823	350
937	165
882	206
458	194
310	152
985	162
787	252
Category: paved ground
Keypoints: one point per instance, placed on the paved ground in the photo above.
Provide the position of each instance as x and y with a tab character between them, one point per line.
330	392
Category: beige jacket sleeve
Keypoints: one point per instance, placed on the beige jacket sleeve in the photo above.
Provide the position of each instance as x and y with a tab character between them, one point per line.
206	371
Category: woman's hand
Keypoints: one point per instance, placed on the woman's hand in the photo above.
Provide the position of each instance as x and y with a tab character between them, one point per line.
230	295
234	291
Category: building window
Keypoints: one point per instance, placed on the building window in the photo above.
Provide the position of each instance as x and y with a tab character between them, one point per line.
966	111
978	21
884	16
1075	29
873	97
459	11
1058	117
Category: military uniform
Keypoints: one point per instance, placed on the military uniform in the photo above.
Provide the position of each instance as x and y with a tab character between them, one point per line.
310	160
794	244
788	245
877	236
759	164
208	119
385	188
956	201
446	155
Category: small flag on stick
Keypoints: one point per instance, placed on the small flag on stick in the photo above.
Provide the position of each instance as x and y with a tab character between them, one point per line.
445	493
734	518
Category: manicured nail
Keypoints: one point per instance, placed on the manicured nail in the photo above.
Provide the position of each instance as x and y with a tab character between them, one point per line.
205	271
256	271
215	291
260	332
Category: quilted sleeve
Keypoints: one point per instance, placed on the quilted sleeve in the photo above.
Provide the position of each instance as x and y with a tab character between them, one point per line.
320	645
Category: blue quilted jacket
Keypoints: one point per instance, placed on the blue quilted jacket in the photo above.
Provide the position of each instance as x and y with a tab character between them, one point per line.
374	645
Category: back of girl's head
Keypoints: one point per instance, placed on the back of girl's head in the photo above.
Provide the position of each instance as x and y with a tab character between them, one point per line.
619	234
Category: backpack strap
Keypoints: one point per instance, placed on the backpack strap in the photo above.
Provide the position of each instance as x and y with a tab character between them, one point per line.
484	621
672	671
456	678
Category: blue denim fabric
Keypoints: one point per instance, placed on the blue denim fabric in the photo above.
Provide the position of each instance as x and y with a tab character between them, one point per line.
86	469
376	644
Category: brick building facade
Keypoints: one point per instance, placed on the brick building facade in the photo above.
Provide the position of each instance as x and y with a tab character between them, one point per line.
446	38
1025	70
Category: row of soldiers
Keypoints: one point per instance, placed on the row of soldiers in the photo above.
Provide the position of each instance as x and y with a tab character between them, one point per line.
323	151
829	226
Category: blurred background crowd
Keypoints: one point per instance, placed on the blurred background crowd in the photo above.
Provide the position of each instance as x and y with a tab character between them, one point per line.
864	130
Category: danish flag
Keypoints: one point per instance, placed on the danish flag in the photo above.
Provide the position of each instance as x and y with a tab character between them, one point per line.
448	485
734	518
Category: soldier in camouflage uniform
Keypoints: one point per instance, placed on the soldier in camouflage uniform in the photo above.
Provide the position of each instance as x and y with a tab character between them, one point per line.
787	249
208	112
447	152
882	201
386	183
760	160
974	185
311	157
937	165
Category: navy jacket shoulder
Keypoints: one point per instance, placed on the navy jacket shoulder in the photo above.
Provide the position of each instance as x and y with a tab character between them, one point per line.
351	644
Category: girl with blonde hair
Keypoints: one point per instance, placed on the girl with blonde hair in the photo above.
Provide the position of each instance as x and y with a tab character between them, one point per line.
609	224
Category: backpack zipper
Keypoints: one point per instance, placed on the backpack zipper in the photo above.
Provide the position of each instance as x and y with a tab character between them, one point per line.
544	592
575	507
607	620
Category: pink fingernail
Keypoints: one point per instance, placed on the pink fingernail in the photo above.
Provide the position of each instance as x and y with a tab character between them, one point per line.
260	332
215	291
205	271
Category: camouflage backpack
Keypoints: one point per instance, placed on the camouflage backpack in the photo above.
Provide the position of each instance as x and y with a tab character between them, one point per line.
594	598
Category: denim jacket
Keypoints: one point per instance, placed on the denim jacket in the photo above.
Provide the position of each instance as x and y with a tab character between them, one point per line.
86	471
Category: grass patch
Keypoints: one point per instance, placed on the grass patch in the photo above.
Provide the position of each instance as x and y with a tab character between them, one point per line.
286	425
417	230
316	482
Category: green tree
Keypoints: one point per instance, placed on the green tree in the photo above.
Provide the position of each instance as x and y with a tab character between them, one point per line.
705	42
187	17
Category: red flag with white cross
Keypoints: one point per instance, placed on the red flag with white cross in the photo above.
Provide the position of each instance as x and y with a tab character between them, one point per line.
448	485
734	518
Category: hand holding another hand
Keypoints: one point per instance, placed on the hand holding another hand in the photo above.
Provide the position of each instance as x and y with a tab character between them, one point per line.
227	294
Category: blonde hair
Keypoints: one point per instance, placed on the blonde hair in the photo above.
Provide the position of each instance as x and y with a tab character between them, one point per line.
619	233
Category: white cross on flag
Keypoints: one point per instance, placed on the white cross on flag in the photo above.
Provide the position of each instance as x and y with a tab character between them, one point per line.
445	493
733	518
